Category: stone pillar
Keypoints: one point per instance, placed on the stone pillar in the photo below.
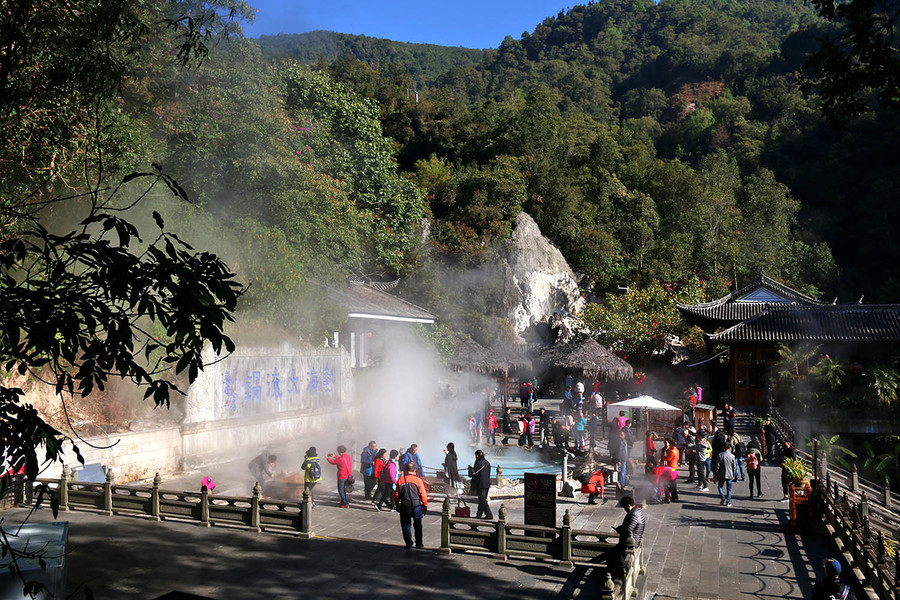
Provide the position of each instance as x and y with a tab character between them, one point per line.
501	534
500	481
306	516
63	489
609	588
254	507
445	527
565	535
204	506
154	497
107	493
888	500
854	479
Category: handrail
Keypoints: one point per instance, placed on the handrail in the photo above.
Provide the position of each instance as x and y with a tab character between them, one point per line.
253	512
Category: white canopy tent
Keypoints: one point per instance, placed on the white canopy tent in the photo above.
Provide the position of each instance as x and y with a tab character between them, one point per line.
648	403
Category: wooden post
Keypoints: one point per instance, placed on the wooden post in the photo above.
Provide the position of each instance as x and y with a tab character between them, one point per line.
254	507
29	492
204	506
107	493
445	527
501	534
305	515
854	479
154	497
565	535
63	489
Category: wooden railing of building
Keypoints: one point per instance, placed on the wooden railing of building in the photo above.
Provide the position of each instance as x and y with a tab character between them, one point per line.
198	507
568	546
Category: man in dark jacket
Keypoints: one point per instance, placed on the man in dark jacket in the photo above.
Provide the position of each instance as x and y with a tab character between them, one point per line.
506	424
619	451
831	586
770	439
367	468
633	525
481	484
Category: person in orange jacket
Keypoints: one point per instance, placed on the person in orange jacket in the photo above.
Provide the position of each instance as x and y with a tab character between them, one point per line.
412	502
593	486
669	456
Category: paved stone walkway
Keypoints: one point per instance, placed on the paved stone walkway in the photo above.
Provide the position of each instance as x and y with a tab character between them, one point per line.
694	549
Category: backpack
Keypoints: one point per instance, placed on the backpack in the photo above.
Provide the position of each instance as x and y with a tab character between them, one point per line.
386	473
408	497
315	471
741	448
752	461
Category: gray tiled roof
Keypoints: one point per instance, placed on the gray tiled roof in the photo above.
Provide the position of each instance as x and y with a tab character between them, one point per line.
739	306
366	300
820	323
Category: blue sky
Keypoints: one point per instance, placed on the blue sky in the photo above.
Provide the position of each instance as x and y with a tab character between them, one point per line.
466	23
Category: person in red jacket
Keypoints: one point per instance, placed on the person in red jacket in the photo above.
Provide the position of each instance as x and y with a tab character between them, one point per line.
377	468
669	456
593	487
492	428
344	468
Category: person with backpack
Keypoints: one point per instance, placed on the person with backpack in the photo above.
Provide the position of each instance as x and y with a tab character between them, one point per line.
412	456
367	468
754	472
388	482
481	485
344	471
412	503
312	471
831	587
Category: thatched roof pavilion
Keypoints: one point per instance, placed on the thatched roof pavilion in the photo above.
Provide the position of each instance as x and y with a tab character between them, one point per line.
589	358
469	355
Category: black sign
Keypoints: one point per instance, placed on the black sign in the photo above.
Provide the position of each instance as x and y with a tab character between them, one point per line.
540	499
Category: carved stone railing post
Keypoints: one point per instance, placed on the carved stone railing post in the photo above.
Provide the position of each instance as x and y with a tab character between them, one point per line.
306	515
500	481
107	493
565	535
501	534
254	506
608	590
888	500
204	506
445	527
154	497
882	555
63	489
854	479
863	507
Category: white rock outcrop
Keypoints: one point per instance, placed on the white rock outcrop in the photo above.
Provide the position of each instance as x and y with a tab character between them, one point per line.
540	281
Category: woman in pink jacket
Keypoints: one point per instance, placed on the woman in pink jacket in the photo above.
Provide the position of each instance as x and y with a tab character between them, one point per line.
344	468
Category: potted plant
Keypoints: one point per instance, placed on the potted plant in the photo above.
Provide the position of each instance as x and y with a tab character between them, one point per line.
797	470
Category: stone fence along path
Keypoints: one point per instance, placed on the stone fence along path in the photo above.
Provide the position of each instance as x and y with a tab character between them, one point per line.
695	548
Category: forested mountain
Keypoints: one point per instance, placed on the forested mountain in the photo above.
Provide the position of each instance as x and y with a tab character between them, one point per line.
423	62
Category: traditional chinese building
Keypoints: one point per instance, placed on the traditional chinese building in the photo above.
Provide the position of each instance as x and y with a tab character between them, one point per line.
750	323
373	315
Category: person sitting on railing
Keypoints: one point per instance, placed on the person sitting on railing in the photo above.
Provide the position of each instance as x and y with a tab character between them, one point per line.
831	587
632	525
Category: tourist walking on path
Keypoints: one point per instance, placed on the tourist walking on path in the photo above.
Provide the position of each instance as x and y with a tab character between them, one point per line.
312	471
544	424
689	455
770	440
377	468
507	426
451	468
412	456
619	452
787	453
650	446
492	428
669	456
388	481
831	587
481	485
367	468
344	468
725	474
754	471
580	426
704	456
412	503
